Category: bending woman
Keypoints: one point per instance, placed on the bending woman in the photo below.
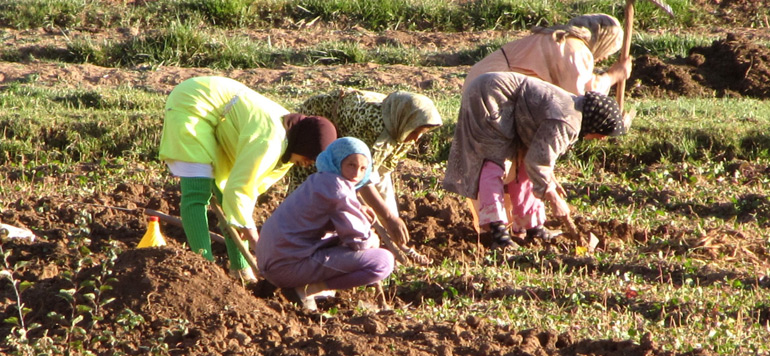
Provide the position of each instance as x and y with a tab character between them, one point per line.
563	56
221	136
506	113
390	125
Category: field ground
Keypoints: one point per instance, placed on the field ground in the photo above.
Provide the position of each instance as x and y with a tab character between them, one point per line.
472	301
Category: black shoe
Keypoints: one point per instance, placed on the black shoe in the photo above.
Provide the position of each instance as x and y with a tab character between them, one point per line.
500	235
540	232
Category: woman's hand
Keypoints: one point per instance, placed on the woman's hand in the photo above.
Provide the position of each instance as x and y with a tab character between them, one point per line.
395	227
250	235
559	189
620	70
559	206
397	230
369	212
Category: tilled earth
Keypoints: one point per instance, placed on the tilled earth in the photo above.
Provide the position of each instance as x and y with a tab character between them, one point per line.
191	304
194	307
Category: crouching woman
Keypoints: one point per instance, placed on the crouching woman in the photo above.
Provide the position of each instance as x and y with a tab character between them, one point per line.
320	237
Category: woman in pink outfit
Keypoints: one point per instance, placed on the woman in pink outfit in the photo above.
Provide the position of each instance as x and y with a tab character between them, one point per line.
509	115
563	55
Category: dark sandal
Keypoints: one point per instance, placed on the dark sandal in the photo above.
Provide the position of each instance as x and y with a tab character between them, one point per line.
540	232
501	238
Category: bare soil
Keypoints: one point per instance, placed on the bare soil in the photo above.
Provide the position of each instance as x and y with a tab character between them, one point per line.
225	318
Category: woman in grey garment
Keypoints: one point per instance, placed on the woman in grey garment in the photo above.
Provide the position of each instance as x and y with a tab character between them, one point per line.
514	118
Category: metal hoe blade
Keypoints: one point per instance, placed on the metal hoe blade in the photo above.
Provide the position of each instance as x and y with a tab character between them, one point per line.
663	6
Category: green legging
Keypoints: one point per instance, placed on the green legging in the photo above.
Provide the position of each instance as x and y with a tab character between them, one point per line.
196	194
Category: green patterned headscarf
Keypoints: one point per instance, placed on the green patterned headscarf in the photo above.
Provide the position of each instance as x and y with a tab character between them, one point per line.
402	113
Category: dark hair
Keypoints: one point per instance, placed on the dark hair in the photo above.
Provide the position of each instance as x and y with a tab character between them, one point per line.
307	135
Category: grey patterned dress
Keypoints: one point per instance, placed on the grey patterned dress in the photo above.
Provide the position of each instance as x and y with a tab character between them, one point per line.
502	113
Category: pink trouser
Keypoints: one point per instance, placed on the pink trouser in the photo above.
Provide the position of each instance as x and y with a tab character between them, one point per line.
526	211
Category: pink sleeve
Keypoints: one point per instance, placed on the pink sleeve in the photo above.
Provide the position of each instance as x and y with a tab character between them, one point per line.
577	75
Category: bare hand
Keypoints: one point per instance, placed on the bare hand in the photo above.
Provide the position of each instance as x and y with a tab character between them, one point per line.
397	230
250	235
559	206
621	70
559	189
369	212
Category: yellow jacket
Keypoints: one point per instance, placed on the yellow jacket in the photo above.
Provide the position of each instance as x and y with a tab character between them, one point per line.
222	122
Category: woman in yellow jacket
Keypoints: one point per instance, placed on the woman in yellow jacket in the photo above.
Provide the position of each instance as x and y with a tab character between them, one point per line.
219	135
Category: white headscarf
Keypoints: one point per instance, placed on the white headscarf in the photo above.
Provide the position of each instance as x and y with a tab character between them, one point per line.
606	33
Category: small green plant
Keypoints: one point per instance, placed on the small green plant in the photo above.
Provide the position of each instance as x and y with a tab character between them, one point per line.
86	302
18	337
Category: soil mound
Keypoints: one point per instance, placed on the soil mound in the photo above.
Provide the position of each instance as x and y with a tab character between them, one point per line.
734	66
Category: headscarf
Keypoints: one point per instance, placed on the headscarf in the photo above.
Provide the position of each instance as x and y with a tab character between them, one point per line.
330	160
307	135
601	115
560	32
606	33
402	113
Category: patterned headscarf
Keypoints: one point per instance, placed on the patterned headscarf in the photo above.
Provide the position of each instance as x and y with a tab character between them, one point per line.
402	113
601	115
307	135
330	160
606	33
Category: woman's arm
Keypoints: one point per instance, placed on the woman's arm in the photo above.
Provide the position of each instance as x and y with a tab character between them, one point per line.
393	224
550	141
576	73
350	221
602	83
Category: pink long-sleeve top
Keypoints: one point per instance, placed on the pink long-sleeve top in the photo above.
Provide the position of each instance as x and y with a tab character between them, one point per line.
568	64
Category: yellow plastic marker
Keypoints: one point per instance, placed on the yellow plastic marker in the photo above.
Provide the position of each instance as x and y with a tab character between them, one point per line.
152	237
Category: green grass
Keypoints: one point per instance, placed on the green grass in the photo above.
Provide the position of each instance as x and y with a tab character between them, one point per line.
434	15
593	302
188	45
78	125
695	166
668	46
204	33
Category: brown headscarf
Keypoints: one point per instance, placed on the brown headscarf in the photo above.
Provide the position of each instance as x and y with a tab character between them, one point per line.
307	135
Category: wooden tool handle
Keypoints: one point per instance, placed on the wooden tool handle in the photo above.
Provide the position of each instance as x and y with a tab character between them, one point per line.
620	90
234	235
